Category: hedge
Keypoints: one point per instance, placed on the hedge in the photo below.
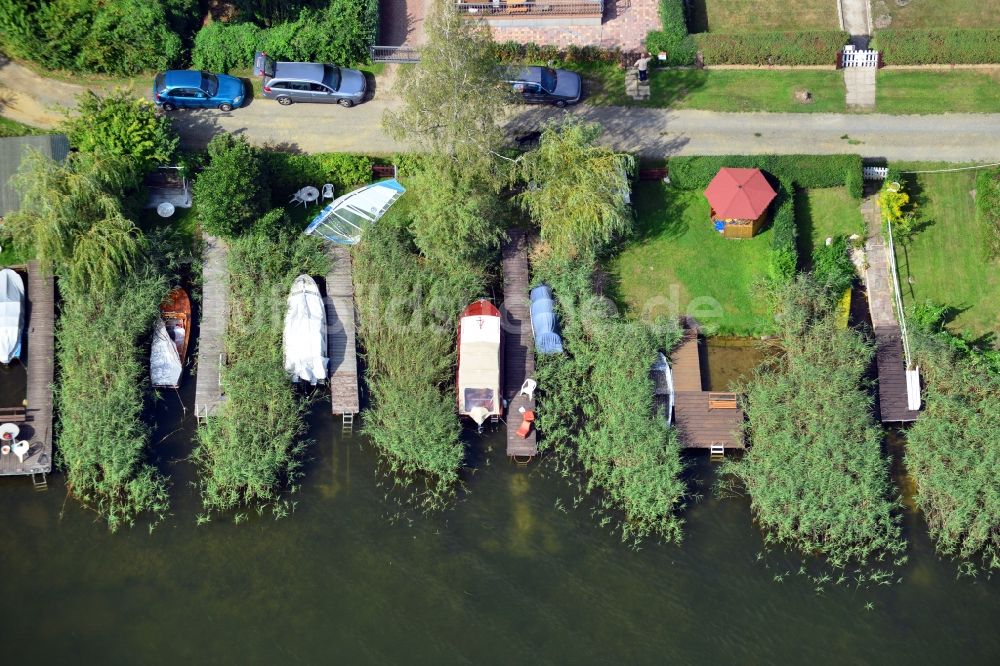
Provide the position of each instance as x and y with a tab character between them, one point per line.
516	52
697	172
289	172
784	247
943	46
673	38
818	47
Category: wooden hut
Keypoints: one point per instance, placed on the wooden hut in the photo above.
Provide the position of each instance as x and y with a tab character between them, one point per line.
739	199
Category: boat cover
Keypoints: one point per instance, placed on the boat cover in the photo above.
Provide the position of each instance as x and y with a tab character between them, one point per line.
305	332
164	361
479	367
343	220
11	315
543	321
663	380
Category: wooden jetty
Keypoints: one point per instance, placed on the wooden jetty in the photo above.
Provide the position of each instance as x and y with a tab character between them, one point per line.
212	329
344	397
519	343
35	420
892	401
704	419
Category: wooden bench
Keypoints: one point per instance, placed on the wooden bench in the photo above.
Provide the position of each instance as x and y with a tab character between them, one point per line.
383	171
722	401
13	415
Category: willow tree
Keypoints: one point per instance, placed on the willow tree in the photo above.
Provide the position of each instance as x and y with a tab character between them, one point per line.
71	216
577	191
453	102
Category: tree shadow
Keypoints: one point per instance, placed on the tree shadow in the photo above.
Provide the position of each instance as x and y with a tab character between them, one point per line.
697	16
659	212
669	87
804	222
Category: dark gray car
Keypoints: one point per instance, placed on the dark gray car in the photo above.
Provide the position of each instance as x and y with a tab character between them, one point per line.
544	85
289	82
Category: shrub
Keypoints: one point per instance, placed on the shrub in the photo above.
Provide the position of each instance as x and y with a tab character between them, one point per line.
232	191
673	37
933	46
697	172
771	48
784	248
289	172
220	47
815	472
988	208
832	267
121	125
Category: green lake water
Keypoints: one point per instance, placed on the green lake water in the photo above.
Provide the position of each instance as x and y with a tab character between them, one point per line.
510	573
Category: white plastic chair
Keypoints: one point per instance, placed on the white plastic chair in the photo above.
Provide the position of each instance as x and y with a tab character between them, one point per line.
328	191
297	198
528	388
20	449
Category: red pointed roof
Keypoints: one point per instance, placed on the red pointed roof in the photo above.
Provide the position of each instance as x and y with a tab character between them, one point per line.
739	193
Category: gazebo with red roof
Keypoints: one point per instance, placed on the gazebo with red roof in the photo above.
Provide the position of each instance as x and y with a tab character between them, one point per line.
739	199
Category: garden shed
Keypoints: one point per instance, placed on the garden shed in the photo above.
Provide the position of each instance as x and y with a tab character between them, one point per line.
739	199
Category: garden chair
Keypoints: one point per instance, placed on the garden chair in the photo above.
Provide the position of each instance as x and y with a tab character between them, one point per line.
525	429
297	198
328	191
528	388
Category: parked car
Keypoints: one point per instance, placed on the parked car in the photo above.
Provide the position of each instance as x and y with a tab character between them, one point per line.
544	85
186	88
289	82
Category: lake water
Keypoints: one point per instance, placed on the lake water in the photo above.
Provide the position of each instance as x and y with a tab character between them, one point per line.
511	572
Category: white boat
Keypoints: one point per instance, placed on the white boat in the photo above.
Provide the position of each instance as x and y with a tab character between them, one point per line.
480	340
171	336
664	384
11	315
304	337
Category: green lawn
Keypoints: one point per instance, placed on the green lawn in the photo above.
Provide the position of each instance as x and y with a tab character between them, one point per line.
939	13
720	89
824	213
958	91
677	264
945	262
750	15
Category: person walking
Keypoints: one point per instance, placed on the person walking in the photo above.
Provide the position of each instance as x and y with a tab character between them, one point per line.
642	66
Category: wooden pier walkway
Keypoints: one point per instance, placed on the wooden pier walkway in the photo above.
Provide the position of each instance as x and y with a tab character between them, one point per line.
519	343
704	419
344	397
36	419
892	396
212	330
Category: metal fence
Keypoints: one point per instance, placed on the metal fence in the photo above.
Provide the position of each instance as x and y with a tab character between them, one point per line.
395	54
532	8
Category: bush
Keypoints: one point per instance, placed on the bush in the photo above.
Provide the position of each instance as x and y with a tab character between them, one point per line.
220	47
805	170
832	267
938	46
232	191
784	247
771	48
815	472
988	208
516	52
289	172
120	38
673	37
121	125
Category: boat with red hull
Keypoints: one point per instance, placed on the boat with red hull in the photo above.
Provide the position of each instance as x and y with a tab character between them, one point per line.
480	362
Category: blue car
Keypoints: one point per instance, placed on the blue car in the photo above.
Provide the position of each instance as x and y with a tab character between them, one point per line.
189	89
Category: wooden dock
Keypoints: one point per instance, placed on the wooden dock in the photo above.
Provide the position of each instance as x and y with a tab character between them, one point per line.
344	397
892	396
704	419
519	343
36	426
212	330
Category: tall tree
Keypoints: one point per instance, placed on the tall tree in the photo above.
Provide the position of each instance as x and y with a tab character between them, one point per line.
578	192
453	101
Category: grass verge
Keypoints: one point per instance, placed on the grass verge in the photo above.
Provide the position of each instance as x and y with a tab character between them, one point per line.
956	91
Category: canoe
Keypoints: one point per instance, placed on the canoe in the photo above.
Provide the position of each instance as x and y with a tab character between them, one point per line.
480	349
304	337
171	338
663	381
11	315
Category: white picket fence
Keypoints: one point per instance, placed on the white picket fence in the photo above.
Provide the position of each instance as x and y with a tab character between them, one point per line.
874	173
853	57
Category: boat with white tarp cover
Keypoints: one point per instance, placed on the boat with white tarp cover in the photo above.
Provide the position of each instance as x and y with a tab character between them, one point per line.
663	382
305	332
171	335
11	315
479	362
344	219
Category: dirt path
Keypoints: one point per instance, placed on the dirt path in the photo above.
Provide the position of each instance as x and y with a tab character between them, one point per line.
855	16
32	99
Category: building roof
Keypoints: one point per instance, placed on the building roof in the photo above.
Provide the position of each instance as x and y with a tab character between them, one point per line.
741	194
12	151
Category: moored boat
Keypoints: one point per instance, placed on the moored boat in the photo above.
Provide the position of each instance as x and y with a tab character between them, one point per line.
304	337
663	381
171	337
480	364
11	315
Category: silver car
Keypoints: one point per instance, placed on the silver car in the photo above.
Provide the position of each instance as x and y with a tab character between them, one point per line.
289	82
